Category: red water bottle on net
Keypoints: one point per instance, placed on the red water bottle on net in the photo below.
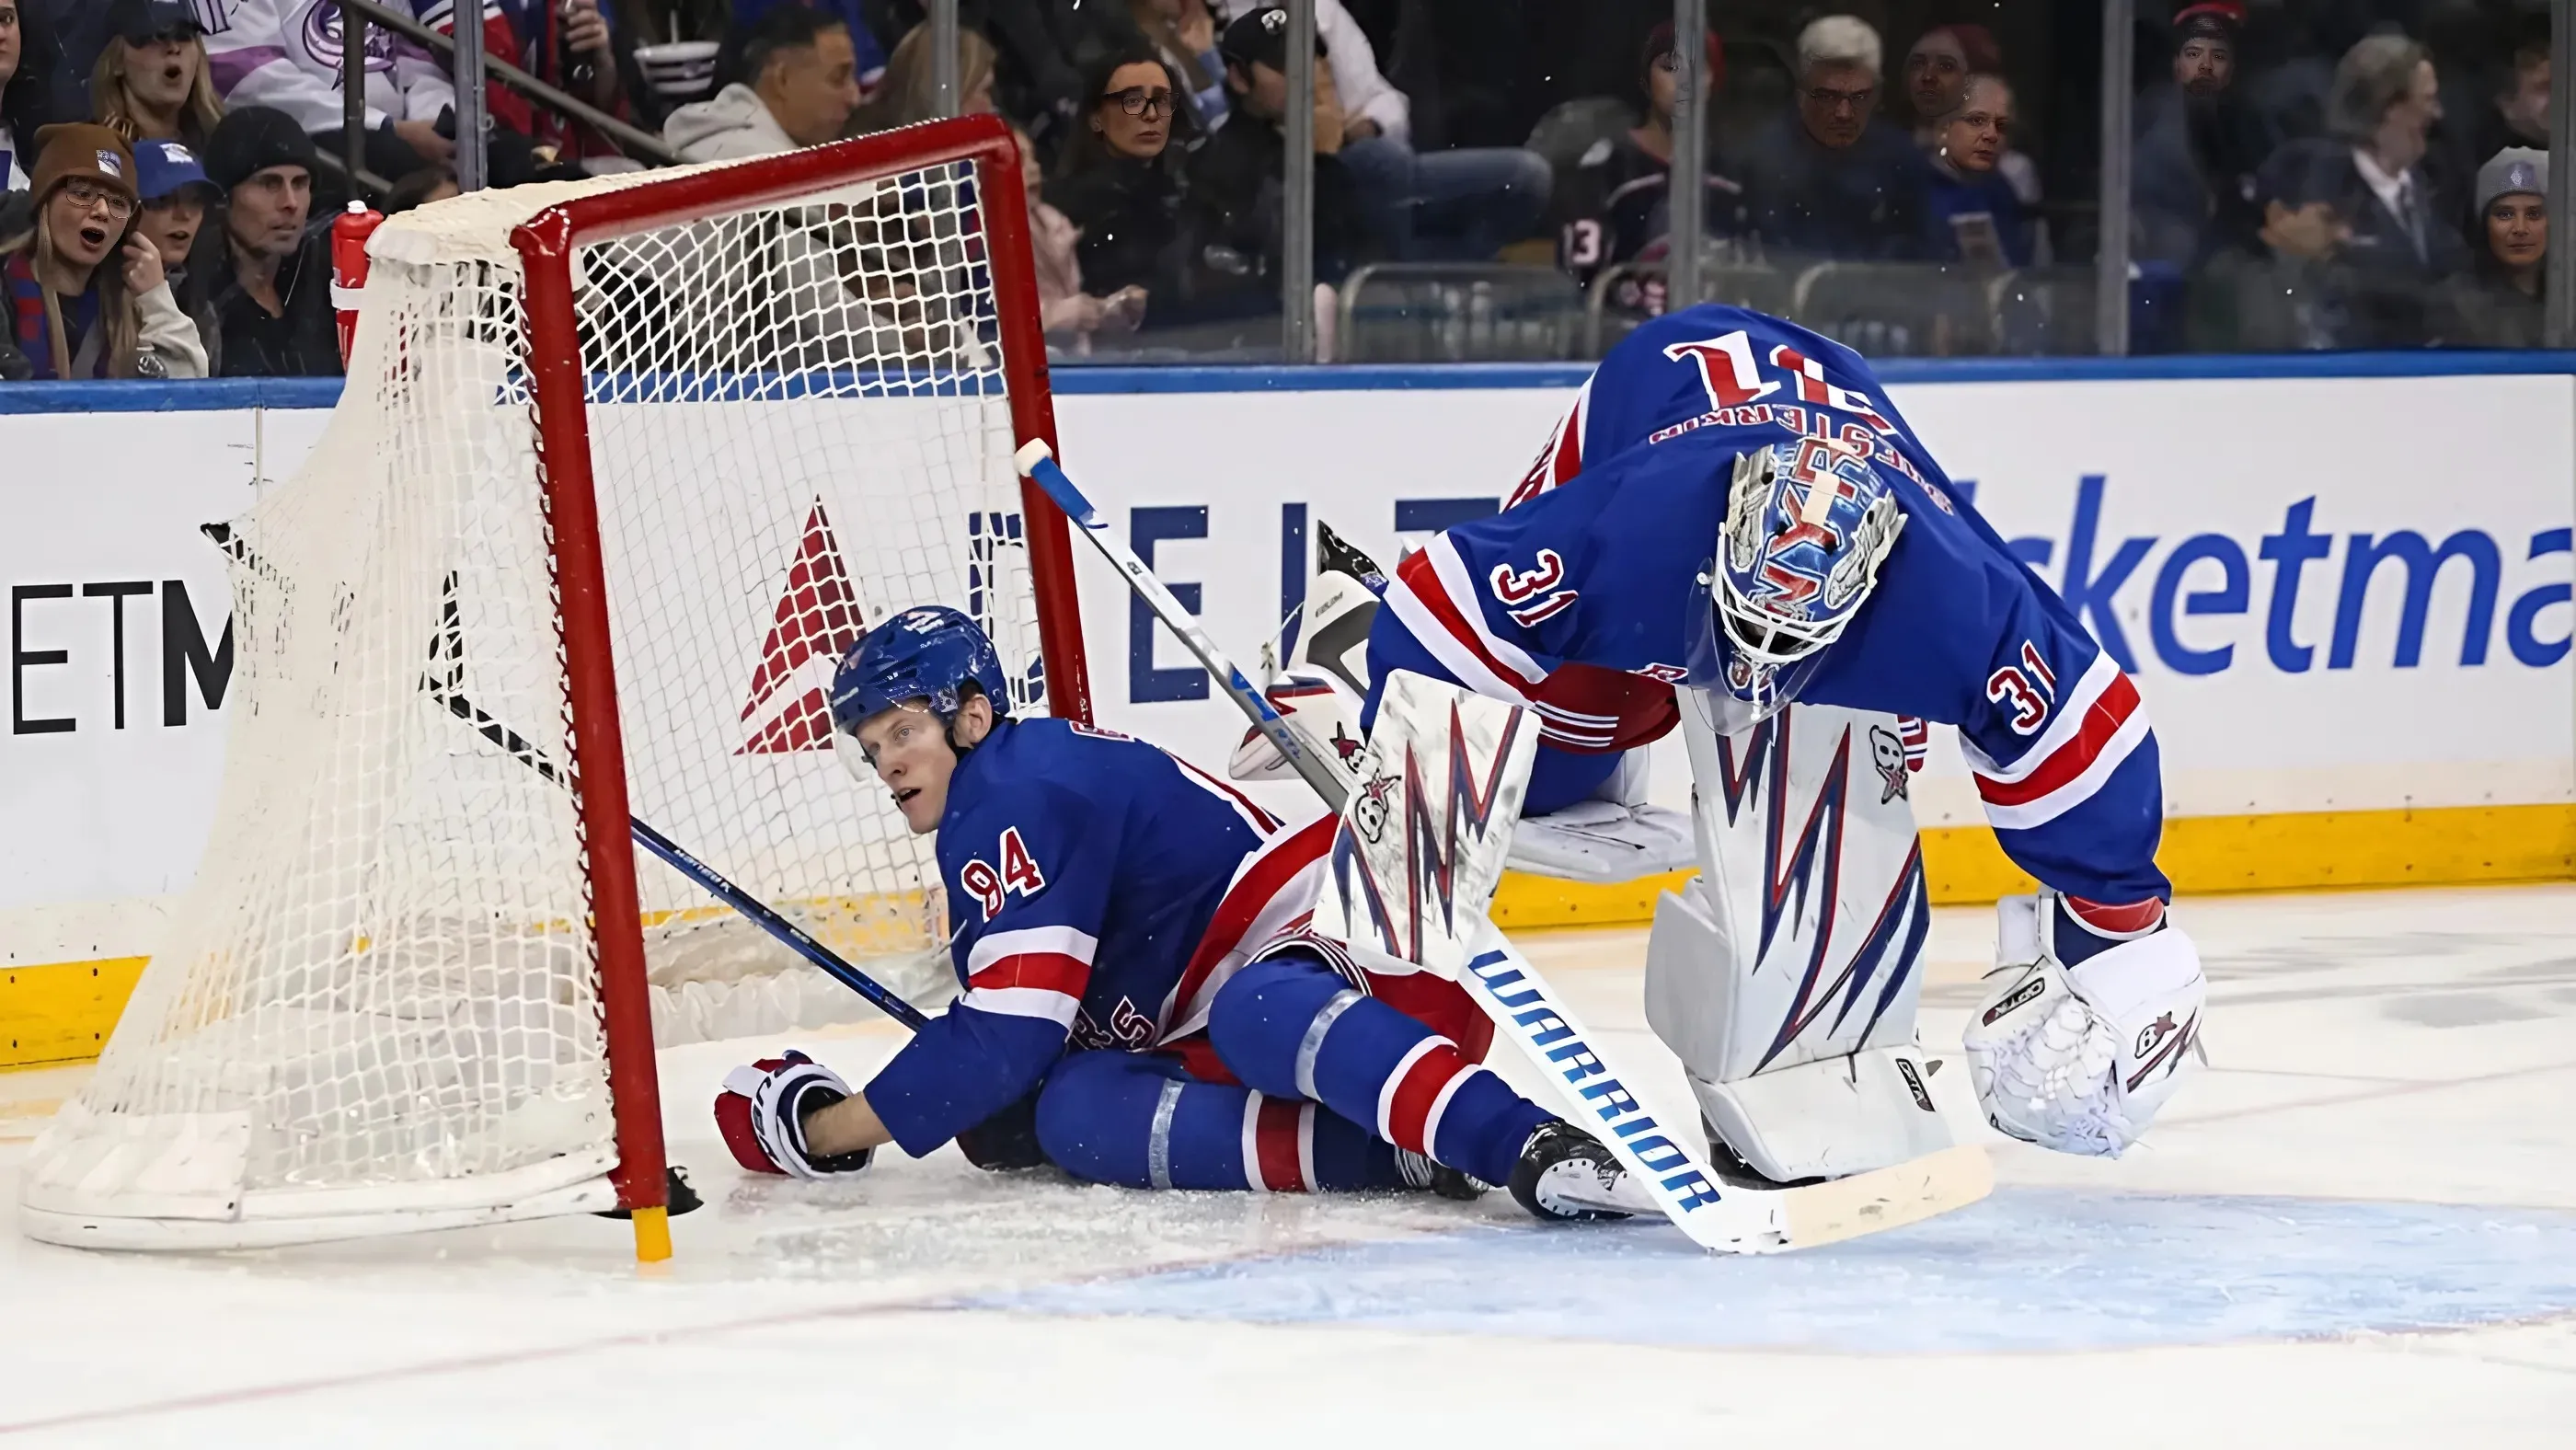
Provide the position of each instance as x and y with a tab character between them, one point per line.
349	233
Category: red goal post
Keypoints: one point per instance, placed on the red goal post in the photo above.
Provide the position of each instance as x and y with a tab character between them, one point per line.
547	242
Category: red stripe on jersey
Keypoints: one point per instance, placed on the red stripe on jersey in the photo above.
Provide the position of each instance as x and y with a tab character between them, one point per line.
1422	581
1559	461
1267	821
1045	971
2119	700
1419	1088
1281	859
2117	918
1275	1138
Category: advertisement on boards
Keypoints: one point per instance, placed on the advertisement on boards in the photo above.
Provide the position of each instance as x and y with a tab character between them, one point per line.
2336	593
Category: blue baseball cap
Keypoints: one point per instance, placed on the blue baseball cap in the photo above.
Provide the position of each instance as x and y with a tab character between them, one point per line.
162	167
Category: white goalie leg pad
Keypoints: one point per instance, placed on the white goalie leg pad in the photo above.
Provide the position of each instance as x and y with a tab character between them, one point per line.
1786	977
2081	1058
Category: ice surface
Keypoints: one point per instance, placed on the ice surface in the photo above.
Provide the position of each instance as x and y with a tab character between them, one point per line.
2359	1229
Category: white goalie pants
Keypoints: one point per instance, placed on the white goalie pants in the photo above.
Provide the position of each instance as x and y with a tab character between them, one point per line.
1785	976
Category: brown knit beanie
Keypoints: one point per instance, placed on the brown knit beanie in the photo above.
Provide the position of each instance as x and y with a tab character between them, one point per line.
91	153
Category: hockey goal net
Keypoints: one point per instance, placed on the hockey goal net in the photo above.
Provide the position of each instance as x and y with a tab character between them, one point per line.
621	468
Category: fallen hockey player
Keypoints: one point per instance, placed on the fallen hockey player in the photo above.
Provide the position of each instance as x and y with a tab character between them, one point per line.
1127	932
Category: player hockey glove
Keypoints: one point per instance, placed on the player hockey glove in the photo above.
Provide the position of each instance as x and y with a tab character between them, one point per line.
762	1111
2080	1058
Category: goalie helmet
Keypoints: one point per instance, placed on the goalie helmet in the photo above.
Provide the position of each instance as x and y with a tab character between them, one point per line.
1808	523
925	653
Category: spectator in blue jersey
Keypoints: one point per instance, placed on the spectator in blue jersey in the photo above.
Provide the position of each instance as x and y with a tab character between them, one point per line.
1142	1003
1616	205
1119	182
1971	212
2356	211
1831	177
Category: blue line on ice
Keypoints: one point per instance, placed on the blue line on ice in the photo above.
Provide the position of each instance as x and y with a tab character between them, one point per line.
2029	1269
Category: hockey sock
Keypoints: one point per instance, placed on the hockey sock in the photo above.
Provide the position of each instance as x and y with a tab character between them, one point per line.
1291	1026
2085	928
1121	1117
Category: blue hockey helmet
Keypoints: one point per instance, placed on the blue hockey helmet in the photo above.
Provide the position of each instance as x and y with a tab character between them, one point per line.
1808	523
925	653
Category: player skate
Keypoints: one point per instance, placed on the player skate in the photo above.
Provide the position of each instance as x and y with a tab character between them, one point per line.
1732	519
1134	967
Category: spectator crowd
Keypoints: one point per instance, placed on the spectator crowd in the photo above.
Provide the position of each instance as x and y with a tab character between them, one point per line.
2305	175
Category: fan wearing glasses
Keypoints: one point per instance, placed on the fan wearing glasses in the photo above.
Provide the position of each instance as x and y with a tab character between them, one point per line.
1833	178
86	297
1117	183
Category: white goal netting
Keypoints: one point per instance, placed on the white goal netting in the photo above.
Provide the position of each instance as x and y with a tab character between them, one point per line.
379	997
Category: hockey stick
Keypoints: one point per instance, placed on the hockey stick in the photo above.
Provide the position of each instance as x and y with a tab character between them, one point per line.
1722	1217
449	648
1330	779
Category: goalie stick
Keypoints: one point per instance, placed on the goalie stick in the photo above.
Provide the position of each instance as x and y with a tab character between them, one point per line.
448	650
1412	871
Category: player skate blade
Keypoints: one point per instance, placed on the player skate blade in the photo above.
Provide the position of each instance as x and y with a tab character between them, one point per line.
1886	1198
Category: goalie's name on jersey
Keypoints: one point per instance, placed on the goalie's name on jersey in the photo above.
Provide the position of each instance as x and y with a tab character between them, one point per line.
1805	422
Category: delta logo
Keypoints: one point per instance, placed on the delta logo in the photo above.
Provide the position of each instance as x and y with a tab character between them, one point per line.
788	708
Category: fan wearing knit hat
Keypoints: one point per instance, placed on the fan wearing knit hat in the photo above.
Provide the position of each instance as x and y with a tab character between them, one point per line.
2498	302
85	294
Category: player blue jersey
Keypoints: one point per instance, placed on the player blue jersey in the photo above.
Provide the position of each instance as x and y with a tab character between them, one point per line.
1604	556
1100	891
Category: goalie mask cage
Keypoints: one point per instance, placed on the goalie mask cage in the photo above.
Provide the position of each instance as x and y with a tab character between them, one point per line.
621	468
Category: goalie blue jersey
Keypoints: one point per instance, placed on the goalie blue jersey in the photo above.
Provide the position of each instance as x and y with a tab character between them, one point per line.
1100	892
1603	555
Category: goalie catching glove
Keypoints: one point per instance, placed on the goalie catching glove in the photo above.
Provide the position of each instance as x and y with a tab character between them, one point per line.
2079	1058
762	1112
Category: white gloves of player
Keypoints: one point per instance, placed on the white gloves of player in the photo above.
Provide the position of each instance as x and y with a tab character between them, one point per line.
2080	1058
761	1113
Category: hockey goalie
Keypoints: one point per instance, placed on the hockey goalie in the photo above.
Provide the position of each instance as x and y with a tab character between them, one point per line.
1735	534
